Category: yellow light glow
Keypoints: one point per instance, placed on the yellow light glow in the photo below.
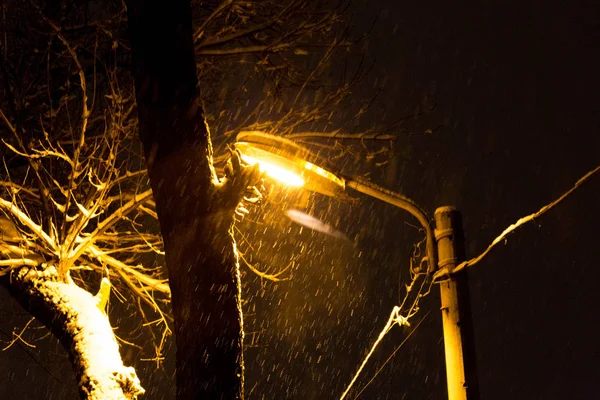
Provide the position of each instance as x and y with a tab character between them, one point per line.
276	172
324	173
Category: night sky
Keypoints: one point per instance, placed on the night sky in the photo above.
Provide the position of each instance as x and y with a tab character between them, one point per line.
515	88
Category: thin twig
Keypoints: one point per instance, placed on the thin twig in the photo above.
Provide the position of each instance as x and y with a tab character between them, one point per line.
20	337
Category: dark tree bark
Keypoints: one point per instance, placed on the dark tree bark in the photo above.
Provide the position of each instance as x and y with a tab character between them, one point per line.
195	211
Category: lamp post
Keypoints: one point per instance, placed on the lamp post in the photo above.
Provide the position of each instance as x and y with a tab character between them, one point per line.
286	161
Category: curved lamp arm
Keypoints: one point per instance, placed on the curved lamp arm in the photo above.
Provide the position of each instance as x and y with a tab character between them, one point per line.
396	199
281	153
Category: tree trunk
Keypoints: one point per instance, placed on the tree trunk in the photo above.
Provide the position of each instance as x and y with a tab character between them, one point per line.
73	315
194	212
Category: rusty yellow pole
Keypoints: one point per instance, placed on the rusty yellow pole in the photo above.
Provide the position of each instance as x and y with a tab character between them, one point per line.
461	369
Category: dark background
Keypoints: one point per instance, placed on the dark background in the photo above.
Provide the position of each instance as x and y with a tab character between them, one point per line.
515	87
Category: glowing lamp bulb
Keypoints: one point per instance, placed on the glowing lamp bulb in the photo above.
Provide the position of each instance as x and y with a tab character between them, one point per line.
276	172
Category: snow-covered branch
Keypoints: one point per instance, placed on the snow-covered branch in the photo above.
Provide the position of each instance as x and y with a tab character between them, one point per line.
74	317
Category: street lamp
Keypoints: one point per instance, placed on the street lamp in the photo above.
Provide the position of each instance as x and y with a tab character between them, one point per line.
292	164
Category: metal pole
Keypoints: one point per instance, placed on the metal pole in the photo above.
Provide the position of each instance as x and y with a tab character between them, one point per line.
461	369
400	201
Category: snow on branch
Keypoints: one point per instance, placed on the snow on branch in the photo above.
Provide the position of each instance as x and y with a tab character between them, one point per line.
84	330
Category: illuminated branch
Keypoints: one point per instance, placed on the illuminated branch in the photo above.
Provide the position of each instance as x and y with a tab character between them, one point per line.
122	211
16	263
244	50
41	154
242	32
155	284
26	221
85	112
271	277
18	188
34	164
211	17
128	175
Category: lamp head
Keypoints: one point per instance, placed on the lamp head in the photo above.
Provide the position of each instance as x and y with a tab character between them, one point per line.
288	162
